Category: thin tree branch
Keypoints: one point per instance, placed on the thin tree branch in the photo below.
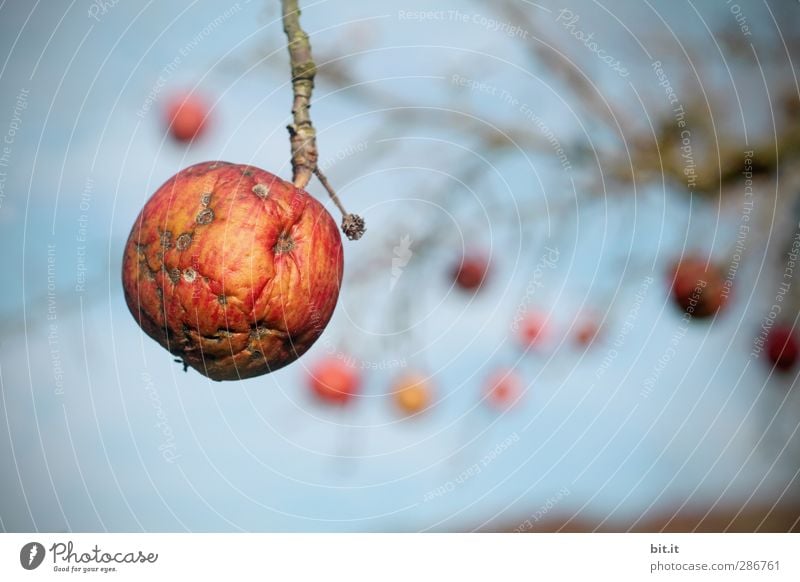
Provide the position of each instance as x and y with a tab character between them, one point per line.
302	135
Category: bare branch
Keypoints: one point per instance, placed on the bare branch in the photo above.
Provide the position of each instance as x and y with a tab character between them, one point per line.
302	134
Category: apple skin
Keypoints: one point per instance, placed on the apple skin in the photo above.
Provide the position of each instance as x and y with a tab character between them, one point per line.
503	389
333	381
186	117
782	348
698	289
470	273
232	269
411	393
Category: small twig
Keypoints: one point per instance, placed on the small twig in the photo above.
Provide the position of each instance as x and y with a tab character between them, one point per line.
302	135
352	224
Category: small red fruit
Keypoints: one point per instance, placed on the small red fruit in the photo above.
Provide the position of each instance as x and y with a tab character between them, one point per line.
532	329
186	117
333	381
503	389
698	289
470	273
232	269
412	393
586	332
782	348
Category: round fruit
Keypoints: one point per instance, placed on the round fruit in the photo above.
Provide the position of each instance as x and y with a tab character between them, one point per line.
186	117
232	269
698	289
471	272
587	332
503	389
782	348
412	394
532	329
333	381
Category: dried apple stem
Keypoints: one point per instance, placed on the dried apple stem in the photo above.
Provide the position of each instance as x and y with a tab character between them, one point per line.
302	135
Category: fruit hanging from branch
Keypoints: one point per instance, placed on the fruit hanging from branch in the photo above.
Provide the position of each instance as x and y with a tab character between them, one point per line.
470	272
186	117
411	393
334	382
503	389
698	287
782	348
532	329
232	269
587	330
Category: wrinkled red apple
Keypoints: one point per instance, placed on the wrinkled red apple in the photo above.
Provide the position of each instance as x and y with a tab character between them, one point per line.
782	348
471	271
186	117
412	393
503	389
532	329
333	381
232	269
698	289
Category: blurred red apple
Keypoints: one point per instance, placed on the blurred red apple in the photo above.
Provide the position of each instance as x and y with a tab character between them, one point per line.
782	348
586	331
412	393
232	269
503	389
470	273
333	381
532	329
186	117
698	288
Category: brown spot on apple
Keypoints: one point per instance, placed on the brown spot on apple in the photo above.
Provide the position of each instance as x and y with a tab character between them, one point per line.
261	190
285	243
183	241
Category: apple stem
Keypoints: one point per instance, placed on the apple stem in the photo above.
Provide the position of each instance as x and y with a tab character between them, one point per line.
352	224
302	135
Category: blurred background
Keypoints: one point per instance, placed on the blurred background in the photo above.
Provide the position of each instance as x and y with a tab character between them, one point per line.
542	183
